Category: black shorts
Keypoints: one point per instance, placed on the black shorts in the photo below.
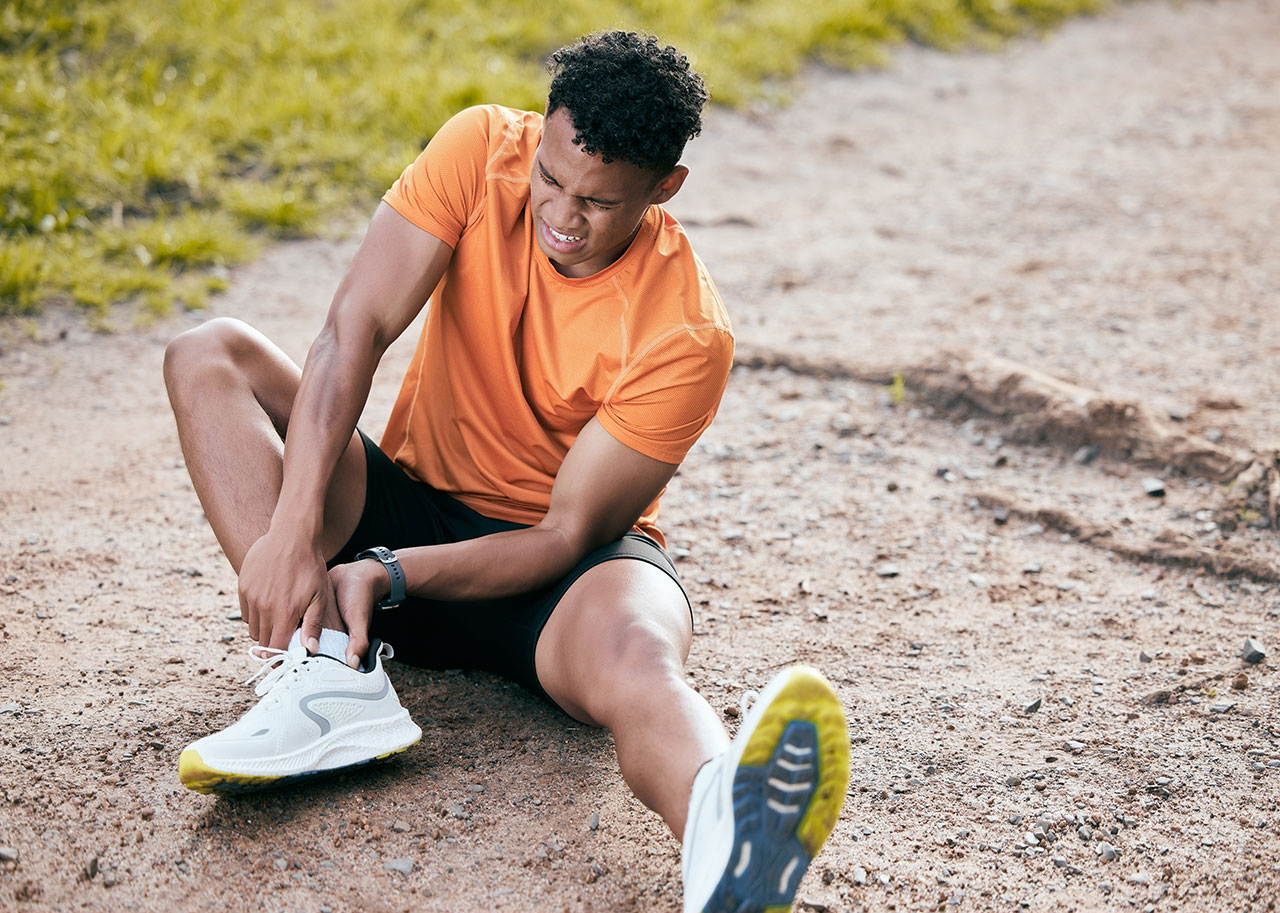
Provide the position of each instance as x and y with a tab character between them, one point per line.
496	635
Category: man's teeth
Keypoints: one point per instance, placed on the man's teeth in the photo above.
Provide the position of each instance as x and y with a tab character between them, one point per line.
566	239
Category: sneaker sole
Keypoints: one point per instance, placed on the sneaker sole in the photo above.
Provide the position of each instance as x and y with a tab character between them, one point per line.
800	720
195	774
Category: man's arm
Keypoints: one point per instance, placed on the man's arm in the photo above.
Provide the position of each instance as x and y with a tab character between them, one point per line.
394	271
600	492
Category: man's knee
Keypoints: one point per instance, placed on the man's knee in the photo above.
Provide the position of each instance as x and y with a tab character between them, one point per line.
640	658
217	345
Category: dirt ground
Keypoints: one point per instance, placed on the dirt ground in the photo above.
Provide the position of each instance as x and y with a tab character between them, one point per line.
1040	661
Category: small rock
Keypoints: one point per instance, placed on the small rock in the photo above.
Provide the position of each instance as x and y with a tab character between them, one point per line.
1153	487
1084	832
859	875
1000	515
1032	707
1030	839
227	638
1240	682
594	823
1213	435
147	813
978	580
1032	567
91	869
10	708
1143	657
1253	651
401	827
887	570
1011	781
1222	706
1073	746
1087	454
1060	862
234	616
9	854
1147	595
403	866
1107	851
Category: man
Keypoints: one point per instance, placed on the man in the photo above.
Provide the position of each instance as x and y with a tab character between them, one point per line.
574	350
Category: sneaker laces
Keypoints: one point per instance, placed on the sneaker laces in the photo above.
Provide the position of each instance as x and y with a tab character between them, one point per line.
278	666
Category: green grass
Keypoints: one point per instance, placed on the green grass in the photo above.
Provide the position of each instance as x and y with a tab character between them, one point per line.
147	143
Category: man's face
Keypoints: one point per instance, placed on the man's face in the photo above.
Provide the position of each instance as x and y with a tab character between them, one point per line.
585	212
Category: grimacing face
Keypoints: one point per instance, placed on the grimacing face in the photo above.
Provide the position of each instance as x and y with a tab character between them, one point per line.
586	212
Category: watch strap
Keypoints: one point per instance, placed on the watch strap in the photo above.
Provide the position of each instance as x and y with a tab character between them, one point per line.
389	561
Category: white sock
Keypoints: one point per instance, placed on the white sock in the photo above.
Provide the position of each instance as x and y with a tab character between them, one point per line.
332	643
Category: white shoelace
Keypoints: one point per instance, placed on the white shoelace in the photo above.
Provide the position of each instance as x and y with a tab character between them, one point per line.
278	665
282	665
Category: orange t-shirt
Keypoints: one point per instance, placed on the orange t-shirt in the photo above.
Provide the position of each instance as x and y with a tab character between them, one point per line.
515	358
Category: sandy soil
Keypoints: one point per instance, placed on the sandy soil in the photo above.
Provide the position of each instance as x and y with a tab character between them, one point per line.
1101	206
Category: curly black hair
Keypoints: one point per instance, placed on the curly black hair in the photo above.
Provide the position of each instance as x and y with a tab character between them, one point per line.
629	98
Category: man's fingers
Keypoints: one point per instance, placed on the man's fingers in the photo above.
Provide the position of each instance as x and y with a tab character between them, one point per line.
312	623
357	647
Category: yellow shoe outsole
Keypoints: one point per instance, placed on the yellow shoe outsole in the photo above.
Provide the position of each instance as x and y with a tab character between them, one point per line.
807	695
196	775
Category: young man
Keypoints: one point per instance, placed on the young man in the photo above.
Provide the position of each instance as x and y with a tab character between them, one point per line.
574	350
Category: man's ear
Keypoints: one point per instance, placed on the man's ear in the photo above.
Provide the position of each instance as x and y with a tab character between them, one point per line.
670	185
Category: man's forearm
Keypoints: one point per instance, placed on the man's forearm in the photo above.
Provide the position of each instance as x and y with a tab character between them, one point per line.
335	385
501	564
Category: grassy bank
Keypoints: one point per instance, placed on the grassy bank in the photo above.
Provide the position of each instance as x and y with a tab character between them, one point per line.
148	143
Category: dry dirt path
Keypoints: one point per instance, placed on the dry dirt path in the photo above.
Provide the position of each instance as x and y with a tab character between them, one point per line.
1101	206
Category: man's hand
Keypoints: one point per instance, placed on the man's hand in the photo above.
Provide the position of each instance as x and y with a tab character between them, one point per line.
280	581
357	586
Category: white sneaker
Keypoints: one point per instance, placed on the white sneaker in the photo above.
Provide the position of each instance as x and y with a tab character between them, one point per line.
317	714
760	812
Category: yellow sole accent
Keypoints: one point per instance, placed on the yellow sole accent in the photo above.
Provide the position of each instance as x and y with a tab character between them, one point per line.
196	775
807	695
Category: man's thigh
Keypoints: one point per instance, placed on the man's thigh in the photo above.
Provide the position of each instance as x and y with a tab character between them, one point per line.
612	611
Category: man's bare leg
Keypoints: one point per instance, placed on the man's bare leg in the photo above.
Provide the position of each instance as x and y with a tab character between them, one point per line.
612	654
232	393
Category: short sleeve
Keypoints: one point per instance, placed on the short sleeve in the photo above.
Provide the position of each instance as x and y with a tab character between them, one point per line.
663	403
442	187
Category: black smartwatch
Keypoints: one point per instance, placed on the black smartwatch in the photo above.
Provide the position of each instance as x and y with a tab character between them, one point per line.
394	571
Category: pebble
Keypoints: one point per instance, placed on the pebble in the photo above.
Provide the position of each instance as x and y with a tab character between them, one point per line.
1107	851
1222	706
1143	657
403	866
401	827
594	823
234	616
1032	707
1253	651
978	580
887	570
1153	486
9	854
1240	682
1087	454
1032	567
859	875
1147	595
1011	781
227	638
1084	832
1073	746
